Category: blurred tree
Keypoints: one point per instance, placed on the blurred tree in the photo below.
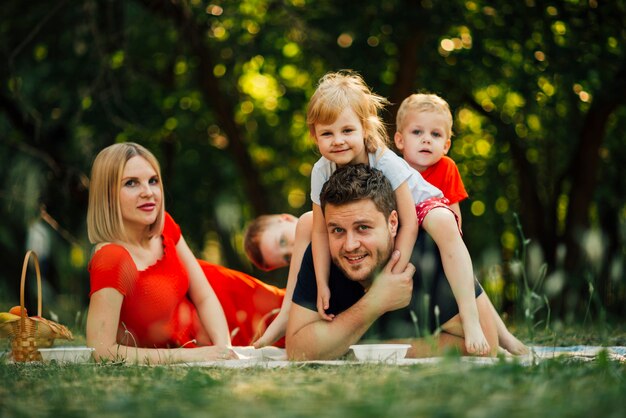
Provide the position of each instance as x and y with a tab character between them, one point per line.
218	91
551	86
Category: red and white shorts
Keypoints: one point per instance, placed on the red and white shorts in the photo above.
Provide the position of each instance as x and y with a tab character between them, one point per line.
427	205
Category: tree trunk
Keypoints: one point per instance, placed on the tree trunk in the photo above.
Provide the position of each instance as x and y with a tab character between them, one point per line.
193	36
583	168
408	64
407	72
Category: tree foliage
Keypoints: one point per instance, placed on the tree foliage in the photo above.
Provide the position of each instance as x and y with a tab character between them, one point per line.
218	91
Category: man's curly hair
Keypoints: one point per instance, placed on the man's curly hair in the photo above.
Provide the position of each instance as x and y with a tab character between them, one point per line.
358	182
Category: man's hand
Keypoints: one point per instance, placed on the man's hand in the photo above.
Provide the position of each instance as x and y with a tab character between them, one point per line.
391	291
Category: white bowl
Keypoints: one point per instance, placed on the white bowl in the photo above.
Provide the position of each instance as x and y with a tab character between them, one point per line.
67	354
380	352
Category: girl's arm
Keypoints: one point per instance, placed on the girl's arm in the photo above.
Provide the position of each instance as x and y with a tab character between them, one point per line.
102	322
203	297
278	326
321	260
407	233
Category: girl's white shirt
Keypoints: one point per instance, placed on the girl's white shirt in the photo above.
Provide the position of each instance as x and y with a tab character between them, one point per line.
396	169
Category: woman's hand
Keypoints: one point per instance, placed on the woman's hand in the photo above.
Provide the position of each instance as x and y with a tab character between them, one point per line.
212	353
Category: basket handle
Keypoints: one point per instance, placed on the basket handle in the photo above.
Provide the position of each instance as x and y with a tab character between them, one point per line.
22	286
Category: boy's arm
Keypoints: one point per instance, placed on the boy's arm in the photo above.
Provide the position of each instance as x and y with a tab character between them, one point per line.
277	328
302	241
407	232
321	255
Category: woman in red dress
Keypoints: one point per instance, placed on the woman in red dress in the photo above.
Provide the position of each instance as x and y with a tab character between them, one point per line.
149	295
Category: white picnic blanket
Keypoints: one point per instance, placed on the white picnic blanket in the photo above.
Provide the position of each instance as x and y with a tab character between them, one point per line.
272	357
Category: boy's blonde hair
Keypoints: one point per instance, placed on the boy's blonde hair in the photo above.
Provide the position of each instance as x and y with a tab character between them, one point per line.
339	90
104	213
422	102
252	238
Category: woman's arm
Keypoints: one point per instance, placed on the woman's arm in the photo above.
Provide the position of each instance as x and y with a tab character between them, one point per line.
407	232
202	295
102	322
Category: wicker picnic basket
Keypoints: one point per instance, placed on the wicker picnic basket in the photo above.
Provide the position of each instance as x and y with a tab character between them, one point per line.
29	334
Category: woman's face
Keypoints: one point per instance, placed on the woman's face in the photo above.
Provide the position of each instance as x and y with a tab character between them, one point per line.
140	194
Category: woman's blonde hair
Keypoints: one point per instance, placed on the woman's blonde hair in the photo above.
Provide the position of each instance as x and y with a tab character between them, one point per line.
340	90
104	213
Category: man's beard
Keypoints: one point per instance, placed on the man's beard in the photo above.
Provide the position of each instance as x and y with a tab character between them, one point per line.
381	256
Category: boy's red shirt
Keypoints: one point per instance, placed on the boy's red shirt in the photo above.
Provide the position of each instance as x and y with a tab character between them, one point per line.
445	176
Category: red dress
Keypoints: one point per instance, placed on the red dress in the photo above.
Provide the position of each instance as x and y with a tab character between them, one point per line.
157	310
445	176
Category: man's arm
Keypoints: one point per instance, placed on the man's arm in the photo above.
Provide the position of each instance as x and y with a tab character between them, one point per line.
311	338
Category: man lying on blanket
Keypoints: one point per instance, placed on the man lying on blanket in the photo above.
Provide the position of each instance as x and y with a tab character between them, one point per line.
368	300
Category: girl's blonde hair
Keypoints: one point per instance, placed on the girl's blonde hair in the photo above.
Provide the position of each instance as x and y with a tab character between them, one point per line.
422	102
104	213
340	90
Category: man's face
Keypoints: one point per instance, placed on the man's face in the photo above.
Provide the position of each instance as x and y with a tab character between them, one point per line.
360	238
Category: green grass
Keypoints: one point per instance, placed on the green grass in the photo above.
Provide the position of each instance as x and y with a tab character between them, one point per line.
560	335
452	388
552	388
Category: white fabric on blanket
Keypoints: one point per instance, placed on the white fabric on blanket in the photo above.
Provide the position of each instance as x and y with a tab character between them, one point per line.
272	357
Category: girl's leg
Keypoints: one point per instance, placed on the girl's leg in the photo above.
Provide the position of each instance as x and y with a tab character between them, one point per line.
441	225
432	346
507	340
452	335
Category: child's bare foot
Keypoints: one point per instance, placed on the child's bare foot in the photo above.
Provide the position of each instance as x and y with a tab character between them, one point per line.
511	344
475	341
